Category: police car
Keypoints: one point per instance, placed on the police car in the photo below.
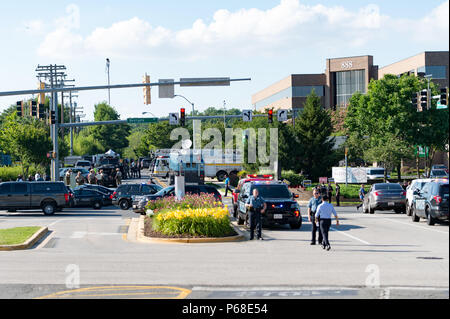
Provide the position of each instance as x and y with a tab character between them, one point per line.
431	202
281	206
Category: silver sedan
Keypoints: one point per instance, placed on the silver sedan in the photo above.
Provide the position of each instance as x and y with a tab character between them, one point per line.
385	196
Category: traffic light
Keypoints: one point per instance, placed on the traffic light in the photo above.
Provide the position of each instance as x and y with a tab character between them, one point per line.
19	108
41	97
147	93
52	117
414	101
424	100
182	116
40	111
444	96
33	109
270	116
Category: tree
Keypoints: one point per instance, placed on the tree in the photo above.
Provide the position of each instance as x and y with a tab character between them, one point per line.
314	153
388	126
110	136
26	139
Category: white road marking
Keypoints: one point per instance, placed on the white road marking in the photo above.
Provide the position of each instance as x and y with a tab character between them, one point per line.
416	226
78	234
55	222
350	236
207	288
82	234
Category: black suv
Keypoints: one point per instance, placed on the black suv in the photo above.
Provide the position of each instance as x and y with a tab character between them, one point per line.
139	202
431	202
48	196
281	206
123	194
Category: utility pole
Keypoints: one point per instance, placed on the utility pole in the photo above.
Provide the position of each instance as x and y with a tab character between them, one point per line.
107	71
224	113
55	75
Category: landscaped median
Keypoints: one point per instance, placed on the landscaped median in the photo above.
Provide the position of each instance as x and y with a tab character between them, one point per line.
21	237
194	219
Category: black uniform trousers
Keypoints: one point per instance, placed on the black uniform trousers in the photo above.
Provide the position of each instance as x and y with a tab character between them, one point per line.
325	224
254	217
315	229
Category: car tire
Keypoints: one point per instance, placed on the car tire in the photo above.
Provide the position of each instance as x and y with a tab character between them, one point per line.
240	221
221	176
296	225
414	217
398	210
49	208
371	210
408	209
364	209
97	205
124	204
430	220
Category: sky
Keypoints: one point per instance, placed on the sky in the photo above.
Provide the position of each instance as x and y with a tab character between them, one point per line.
265	40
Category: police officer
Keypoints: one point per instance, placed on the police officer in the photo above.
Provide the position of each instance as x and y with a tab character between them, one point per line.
314	202
256	206
324	212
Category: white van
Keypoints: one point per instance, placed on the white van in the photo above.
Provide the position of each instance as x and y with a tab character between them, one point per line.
375	173
160	167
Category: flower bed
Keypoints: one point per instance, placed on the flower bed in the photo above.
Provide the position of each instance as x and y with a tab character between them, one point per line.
194	216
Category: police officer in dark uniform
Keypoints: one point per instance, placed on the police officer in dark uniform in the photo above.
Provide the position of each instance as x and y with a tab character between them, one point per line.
256	206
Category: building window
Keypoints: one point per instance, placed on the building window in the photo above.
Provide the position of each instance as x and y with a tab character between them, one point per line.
437	71
347	83
303	91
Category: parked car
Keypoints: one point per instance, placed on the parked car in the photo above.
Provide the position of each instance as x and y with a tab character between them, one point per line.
84	197
104	191
139	202
75	170
440	166
385	196
122	196
249	178
431	203
48	196
416	184
281	206
438	173
83	163
374	173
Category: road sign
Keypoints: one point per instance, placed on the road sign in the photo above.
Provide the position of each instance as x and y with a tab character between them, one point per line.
142	120
323	180
439	106
247	115
422	151
282	115
166	91
205	81
173	119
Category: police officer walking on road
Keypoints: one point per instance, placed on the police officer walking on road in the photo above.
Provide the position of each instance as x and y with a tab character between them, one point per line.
314	202
256	206
323	213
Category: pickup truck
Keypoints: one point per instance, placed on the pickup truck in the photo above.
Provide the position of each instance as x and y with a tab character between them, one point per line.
48	196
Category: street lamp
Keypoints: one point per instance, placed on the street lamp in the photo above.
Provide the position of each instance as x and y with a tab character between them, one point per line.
187	101
107	70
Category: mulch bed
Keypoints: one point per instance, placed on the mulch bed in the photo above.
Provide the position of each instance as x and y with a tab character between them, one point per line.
149	232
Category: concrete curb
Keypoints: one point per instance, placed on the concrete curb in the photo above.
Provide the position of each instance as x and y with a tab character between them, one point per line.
140	237
29	243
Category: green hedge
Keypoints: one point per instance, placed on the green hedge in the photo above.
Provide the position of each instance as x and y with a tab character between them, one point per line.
10	173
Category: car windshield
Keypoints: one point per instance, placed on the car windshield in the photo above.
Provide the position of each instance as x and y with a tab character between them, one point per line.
439	173
387	187
164	191
376	172
439	167
272	191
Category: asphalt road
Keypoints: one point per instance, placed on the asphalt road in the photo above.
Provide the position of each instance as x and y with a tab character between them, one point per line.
87	254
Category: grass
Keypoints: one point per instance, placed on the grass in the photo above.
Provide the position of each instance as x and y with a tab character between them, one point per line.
18	235
347	191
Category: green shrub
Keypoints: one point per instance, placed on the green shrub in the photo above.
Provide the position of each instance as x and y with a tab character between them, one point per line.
10	173
294	179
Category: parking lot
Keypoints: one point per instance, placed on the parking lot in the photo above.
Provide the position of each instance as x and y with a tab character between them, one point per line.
384	255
